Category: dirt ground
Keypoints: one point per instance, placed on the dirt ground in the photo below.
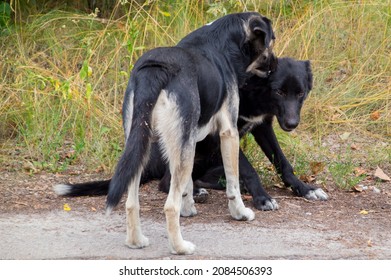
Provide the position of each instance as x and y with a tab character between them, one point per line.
350	225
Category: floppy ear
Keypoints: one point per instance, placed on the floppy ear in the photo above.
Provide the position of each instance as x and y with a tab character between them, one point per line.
261	31
307	64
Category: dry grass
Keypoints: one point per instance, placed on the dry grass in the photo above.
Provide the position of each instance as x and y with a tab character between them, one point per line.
63	73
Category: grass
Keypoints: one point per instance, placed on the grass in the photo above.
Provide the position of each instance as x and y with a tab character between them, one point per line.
64	72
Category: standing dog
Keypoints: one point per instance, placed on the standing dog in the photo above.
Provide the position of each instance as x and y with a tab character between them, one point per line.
280	95
180	95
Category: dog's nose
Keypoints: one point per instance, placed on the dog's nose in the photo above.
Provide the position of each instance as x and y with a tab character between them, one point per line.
291	123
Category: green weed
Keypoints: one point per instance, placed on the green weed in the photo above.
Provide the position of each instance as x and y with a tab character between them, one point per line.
63	72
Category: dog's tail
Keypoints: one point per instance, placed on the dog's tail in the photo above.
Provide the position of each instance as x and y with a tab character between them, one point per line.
94	188
146	85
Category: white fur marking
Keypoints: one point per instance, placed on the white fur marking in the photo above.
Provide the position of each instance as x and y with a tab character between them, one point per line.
317	194
254	119
128	113
168	125
62	189
187	208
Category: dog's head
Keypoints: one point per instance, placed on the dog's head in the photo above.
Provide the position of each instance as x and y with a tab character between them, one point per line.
289	86
244	39
258	45
281	94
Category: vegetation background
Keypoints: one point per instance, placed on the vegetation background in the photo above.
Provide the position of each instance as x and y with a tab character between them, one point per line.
64	67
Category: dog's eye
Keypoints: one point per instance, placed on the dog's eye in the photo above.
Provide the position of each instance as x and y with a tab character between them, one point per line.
280	93
301	94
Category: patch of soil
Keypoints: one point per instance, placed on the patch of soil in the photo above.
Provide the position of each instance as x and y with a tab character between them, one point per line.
25	193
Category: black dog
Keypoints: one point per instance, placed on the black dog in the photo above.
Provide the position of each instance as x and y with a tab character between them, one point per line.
179	95
281	95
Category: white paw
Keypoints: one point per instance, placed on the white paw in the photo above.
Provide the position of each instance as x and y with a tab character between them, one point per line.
270	205
187	208
137	243
188	211
248	214
241	213
185	248
317	194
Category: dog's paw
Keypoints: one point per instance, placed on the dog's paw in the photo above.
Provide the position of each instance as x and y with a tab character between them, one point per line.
247	215
187	207
316	194
188	210
137	243
185	248
242	214
200	195
265	203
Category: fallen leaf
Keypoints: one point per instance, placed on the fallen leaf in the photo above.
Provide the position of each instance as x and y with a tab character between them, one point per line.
93	209
307	178
369	243
354	147
364	212
345	135
278	185
358	188
358	171
379	173
67	207
246	197
316	167
375	115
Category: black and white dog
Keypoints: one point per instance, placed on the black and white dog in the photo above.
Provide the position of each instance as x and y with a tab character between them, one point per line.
280	95
179	95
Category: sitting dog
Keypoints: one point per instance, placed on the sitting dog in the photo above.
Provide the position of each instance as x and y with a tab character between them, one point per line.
282	95
179	95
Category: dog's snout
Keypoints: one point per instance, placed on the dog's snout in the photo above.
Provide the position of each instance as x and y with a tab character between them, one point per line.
291	123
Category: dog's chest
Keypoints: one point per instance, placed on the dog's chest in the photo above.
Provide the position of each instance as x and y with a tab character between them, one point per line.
246	124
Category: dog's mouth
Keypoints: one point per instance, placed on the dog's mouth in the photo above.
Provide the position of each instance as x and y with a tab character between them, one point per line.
287	129
288	125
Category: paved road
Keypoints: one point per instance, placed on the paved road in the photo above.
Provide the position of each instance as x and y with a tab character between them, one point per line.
73	235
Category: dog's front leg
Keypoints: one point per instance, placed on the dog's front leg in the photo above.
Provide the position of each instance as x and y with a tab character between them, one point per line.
229	140
265	137
261	199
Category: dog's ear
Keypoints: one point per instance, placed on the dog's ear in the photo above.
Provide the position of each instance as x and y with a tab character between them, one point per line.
260	38
261	31
307	64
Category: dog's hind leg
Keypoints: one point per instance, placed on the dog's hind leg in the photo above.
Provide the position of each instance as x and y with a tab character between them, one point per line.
187	208
229	139
134	236
180	183
179	151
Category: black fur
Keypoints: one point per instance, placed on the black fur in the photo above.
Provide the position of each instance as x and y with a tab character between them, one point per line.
281	95
198	71
179	95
